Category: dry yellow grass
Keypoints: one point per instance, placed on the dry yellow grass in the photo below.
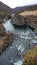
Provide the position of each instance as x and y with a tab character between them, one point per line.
28	13
30	57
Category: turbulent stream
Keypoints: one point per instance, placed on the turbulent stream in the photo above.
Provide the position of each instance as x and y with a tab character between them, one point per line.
25	39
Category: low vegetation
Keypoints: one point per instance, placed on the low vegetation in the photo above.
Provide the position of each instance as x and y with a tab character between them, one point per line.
30	58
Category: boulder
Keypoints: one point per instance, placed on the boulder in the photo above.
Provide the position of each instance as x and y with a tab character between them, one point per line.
18	20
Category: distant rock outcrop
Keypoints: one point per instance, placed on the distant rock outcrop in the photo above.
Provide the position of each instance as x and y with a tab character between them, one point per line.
25	8
6	8
5	11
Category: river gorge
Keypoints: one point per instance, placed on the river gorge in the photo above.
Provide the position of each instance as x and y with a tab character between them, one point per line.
24	40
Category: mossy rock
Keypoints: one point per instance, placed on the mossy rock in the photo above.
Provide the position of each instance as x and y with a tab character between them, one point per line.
30	58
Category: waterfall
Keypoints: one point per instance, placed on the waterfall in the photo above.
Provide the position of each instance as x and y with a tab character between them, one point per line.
8	26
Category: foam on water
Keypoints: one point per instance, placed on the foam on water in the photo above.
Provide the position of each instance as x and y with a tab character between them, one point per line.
9	27
34	41
18	63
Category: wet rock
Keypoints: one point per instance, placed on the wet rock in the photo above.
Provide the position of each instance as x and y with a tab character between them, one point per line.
30	58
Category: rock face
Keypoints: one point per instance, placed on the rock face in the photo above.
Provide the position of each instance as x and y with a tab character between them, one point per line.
5	41
29	21
30	57
26	15
26	18
18	20
5	38
2	30
4	7
3	44
5	11
4	15
32	21
30	18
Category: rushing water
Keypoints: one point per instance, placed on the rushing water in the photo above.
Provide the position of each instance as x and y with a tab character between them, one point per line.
25	40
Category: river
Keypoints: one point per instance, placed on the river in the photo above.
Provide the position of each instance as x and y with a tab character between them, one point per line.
25	40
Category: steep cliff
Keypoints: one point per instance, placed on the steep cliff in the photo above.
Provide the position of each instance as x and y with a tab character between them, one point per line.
5	11
26	16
